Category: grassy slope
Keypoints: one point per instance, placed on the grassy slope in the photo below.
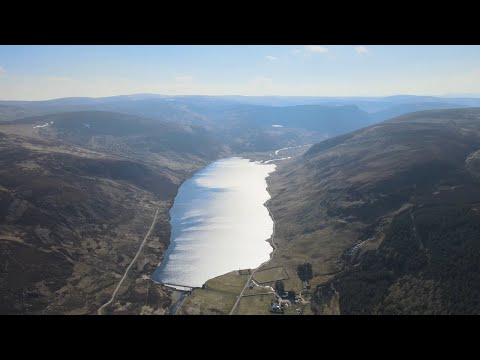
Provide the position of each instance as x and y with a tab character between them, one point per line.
388	215
75	202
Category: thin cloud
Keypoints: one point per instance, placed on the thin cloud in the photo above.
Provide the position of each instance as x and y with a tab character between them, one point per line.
361	50
271	58
3	72
316	49
296	51
183	78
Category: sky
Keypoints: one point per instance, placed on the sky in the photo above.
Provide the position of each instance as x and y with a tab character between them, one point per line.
47	72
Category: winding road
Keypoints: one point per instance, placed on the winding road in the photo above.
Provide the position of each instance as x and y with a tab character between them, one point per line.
291	147
101	308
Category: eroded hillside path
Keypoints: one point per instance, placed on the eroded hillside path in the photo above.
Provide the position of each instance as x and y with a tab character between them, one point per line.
101	308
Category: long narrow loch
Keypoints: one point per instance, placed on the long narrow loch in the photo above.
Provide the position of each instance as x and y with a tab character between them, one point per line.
219	223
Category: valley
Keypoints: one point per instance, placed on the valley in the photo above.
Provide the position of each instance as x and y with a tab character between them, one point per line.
249	179
385	210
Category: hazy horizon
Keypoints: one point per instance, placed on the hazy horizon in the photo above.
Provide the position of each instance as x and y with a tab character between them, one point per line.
445	96
52	72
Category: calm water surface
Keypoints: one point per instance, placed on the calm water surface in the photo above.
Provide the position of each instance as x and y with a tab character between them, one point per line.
219	223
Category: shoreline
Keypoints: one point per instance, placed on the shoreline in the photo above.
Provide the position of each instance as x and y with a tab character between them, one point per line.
270	241
184	293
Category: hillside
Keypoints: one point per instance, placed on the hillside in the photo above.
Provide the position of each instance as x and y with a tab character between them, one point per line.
264	128
401	109
246	123
388	215
243	128
77	200
10	112
125	134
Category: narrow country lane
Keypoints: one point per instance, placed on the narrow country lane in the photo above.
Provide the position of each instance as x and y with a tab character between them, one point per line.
101	308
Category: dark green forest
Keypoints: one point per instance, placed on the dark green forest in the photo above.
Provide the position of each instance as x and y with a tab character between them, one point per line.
427	264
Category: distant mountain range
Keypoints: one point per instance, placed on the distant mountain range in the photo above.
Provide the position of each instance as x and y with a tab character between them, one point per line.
136	101
240	119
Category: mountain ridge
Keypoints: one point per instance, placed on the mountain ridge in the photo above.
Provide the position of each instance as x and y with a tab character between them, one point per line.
363	207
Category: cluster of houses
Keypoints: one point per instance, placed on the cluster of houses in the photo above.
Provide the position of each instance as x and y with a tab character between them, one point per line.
280	304
277	308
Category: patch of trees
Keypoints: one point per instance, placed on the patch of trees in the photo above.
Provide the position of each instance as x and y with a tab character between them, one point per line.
305	272
279	287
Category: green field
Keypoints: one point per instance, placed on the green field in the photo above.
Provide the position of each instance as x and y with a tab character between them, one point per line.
256	290
207	302
255	305
218	297
231	282
270	275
